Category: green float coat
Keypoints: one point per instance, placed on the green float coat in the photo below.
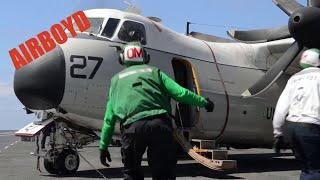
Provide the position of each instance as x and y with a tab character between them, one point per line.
141	91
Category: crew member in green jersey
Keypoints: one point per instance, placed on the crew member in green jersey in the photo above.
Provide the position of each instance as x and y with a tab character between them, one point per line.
139	98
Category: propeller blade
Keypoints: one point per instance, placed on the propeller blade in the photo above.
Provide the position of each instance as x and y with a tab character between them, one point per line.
314	3
260	35
275	71
288	6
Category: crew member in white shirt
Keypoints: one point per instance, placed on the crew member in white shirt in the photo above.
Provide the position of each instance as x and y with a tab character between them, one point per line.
299	105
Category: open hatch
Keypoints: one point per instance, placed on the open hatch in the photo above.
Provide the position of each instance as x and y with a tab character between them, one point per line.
187	117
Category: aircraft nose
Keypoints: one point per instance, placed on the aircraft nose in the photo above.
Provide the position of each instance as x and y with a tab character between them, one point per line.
40	84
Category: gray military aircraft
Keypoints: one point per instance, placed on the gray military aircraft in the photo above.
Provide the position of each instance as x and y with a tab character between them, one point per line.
244	76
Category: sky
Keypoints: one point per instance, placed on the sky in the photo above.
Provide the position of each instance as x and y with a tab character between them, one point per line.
21	20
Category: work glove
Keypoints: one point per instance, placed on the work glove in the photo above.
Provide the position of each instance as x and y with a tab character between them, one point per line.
278	144
210	106
103	155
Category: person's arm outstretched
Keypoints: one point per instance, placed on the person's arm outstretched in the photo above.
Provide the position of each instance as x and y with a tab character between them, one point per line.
184	95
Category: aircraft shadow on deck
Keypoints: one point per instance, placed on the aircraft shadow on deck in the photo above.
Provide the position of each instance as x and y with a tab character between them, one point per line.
268	162
247	163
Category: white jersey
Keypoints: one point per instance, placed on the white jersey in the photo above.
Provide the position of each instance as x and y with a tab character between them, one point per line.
300	100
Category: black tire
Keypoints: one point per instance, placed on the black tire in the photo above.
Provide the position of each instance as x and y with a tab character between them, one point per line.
48	165
68	162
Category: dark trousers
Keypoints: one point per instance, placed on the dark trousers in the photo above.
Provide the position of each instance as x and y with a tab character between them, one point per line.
305	140
155	135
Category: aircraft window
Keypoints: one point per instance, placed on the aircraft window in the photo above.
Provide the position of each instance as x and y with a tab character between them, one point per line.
132	31
110	27
95	25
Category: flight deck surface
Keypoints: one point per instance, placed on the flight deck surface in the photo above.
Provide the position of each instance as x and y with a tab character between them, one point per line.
16	163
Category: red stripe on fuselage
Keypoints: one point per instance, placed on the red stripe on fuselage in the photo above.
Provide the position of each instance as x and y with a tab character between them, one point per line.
225	91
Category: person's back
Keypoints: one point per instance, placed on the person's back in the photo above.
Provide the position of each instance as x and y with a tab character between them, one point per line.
139	85
301	101
304	95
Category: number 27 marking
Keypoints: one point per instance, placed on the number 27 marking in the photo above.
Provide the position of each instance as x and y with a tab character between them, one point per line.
83	64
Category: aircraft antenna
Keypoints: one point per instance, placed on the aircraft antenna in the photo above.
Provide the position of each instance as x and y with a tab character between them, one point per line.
132	7
188	28
218	26
211	26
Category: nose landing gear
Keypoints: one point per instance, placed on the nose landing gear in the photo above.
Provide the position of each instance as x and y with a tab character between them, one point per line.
62	157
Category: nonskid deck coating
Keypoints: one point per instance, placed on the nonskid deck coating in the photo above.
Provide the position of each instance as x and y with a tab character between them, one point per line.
257	164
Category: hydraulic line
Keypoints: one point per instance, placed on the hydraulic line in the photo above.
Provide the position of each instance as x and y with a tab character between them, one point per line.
225	92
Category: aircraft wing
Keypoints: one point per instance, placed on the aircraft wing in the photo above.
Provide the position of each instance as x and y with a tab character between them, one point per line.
260	35
209	38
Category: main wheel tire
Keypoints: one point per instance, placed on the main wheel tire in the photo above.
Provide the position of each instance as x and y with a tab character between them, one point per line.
68	161
49	165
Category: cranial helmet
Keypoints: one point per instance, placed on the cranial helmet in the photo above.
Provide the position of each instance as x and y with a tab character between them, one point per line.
310	58
133	54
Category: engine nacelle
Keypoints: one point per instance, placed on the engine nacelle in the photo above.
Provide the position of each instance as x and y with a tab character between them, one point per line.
304	26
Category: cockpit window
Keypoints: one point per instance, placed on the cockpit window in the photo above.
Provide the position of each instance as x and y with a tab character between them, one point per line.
95	25
132	31
110	27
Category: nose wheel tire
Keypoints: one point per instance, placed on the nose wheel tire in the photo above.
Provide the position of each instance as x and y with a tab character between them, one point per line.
49	165
68	161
